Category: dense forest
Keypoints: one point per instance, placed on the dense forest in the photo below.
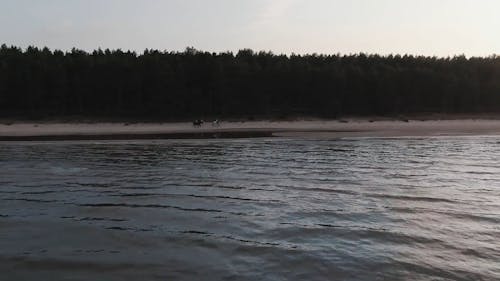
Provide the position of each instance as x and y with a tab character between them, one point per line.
40	83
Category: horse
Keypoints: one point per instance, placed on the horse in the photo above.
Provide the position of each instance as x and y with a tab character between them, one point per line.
197	123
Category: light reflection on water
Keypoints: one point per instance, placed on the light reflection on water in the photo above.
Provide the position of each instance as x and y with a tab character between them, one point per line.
268	209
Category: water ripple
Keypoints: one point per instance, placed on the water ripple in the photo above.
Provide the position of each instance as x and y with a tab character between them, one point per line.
267	209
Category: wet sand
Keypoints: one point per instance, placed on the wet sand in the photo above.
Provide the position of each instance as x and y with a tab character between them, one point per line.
27	131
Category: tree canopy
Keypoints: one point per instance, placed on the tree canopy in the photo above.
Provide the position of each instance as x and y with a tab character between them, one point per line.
37	83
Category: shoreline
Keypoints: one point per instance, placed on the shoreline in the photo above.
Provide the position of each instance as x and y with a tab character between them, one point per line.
141	136
58	131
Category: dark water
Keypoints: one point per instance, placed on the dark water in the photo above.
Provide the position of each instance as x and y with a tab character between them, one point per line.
352	209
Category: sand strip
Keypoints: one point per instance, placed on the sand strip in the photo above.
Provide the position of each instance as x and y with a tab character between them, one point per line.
258	129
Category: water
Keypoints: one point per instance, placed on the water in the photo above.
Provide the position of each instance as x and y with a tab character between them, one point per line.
269	209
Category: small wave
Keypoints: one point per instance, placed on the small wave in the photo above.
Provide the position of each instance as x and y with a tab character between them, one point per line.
195	196
326	190
472	217
128	229
475	217
139	194
349	232
66	171
97	251
158	206
328	225
409	198
196	232
229	187
32	200
233	198
151	206
38	192
7	192
229	237
481	252
101	219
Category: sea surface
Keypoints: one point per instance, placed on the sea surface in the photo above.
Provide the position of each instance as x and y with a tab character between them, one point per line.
261	209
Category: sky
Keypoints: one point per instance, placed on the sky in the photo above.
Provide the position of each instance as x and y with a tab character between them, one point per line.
418	27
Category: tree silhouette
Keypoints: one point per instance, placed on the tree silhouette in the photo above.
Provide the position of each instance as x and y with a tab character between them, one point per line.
40	83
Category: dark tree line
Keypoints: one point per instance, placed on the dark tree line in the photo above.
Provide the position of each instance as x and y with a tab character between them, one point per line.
37	83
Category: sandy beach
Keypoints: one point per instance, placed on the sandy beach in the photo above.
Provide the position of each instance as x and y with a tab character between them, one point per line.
26	131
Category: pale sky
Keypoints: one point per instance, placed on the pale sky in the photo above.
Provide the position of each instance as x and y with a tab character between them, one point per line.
422	27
